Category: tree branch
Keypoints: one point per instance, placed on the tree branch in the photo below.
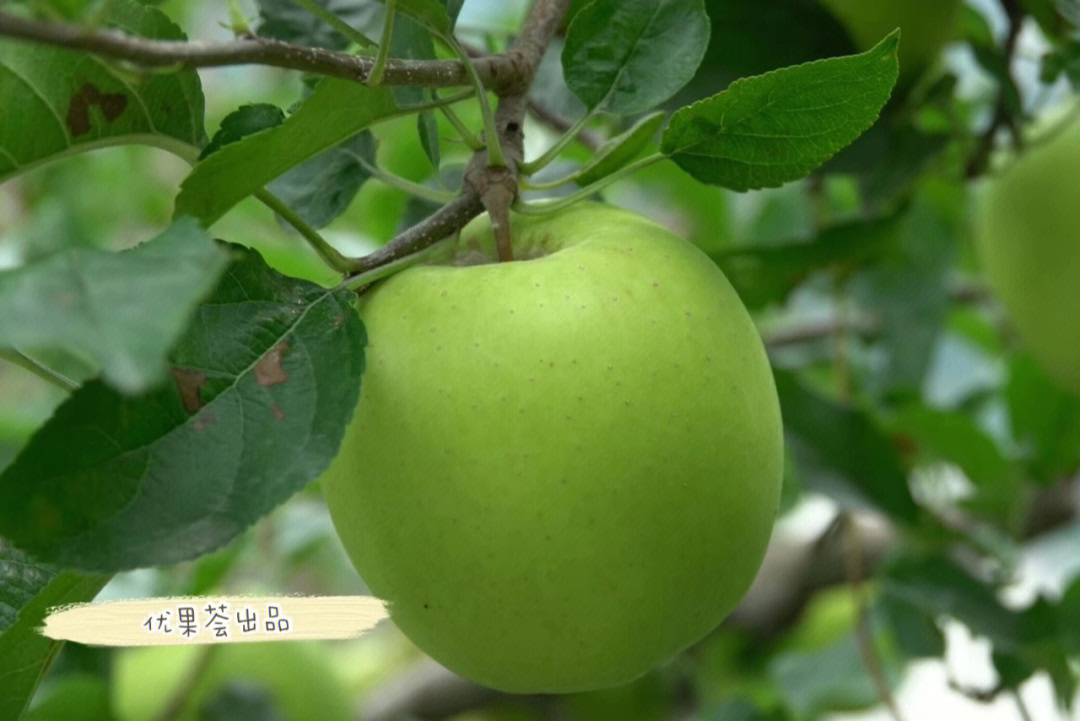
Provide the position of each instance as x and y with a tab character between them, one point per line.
484	187
447	220
980	158
496	72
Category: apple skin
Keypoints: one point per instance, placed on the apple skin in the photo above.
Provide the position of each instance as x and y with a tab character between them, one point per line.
299	681
562	471
925	27
1028	237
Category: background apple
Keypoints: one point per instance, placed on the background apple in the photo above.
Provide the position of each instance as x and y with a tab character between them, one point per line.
563	470
1028	236
925	27
298	682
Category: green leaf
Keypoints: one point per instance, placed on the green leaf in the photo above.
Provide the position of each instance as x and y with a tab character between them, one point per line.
770	129
630	55
888	159
27	591
428	130
63	101
334	112
432	14
621	149
1069	617
1045	420
914	629
321	188
831	678
941	588
264	382
906	290
848	442
765	274
245	120
410	41
285	20
954	437
123	311
744	41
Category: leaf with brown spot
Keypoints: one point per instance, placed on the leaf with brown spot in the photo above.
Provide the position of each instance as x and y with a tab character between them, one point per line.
94	101
138	480
121	311
268	371
189	383
205	420
78	117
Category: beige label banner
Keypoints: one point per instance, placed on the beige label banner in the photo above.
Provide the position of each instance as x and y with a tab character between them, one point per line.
213	619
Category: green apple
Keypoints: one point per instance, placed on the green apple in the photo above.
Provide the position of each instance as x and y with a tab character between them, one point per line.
1028	236
295	678
925	27
562	470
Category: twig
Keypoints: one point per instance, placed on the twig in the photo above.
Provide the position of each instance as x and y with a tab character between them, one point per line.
447	220
327	252
362	281
423	192
523	57
864	633
1021	707
980	158
544	207
496	72
383	53
180	697
554	120
544	159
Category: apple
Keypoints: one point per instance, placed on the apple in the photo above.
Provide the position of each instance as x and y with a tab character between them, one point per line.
1028	237
563	470
925	27
297	681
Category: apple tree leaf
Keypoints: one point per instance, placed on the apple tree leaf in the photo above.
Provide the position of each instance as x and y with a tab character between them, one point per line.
769	129
428	130
27	591
288	21
621	149
321	188
847	442
743	41
944	589
955	437
69	101
263	384
123	311
411	41
245	120
1045	419
336	111
630	55
432	14
830	678
765	273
